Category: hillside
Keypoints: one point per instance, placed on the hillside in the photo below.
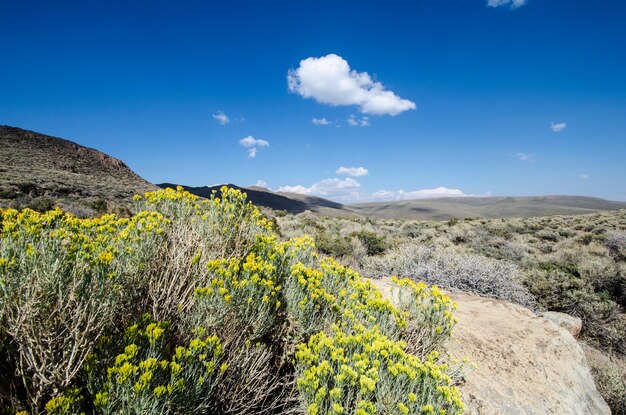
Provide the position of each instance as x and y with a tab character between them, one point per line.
422	209
38	170
489	207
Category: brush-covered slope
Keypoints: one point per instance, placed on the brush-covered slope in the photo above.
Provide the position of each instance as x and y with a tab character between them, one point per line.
37	169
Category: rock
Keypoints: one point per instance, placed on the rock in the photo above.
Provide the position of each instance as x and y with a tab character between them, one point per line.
569	323
526	364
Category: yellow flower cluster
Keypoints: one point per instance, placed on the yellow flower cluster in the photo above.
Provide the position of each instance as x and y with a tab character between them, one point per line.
299	249
144	373
363	372
66	403
337	294
429	310
248	290
229	211
99	241
362	367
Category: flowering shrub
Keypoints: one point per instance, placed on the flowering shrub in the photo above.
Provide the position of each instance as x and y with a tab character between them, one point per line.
63	283
224	226
361	367
245	292
361	371
144	378
428	312
222	317
317	298
199	231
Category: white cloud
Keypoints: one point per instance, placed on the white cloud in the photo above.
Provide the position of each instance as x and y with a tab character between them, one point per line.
584	176
514	3
250	141
347	191
336	189
558	127
418	194
352	171
253	144
320	121
261	183
221	118
329	80
525	157
358	122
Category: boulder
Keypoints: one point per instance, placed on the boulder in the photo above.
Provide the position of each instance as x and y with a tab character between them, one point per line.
569	323
526	364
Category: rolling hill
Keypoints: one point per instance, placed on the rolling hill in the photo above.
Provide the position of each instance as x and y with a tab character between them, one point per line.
423	209
37	170
490	207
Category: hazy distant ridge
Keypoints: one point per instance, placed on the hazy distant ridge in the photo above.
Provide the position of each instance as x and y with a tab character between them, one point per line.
424	209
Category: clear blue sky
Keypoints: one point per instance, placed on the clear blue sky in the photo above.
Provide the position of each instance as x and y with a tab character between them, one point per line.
476	90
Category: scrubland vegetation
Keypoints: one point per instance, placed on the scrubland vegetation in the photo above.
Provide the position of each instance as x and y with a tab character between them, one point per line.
198	306
572	264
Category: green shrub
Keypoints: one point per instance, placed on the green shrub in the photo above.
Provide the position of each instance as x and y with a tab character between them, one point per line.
335	246
374	243
41	204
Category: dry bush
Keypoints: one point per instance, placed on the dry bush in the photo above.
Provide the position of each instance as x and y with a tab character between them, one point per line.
254	384
448	269
609	373
615	241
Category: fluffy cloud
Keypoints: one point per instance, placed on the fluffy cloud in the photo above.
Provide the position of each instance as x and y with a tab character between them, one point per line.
320	121
513	3
347	191
253	144
558	127
336	189
525	156
261	183
329	80
221	118
358	122
352	171
418	194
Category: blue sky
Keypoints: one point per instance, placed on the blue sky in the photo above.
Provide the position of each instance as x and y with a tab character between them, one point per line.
448	96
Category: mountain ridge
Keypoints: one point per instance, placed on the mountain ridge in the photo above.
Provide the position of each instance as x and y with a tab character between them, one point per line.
36	167
444	208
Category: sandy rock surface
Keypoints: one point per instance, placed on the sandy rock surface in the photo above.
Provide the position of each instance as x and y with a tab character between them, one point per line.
526	364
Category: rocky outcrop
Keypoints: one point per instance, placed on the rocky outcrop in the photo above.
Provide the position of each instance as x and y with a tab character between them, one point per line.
526	364
570	323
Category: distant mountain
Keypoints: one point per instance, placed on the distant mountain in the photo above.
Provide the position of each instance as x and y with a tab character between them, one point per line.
422	209
489	207
290	202
38	170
